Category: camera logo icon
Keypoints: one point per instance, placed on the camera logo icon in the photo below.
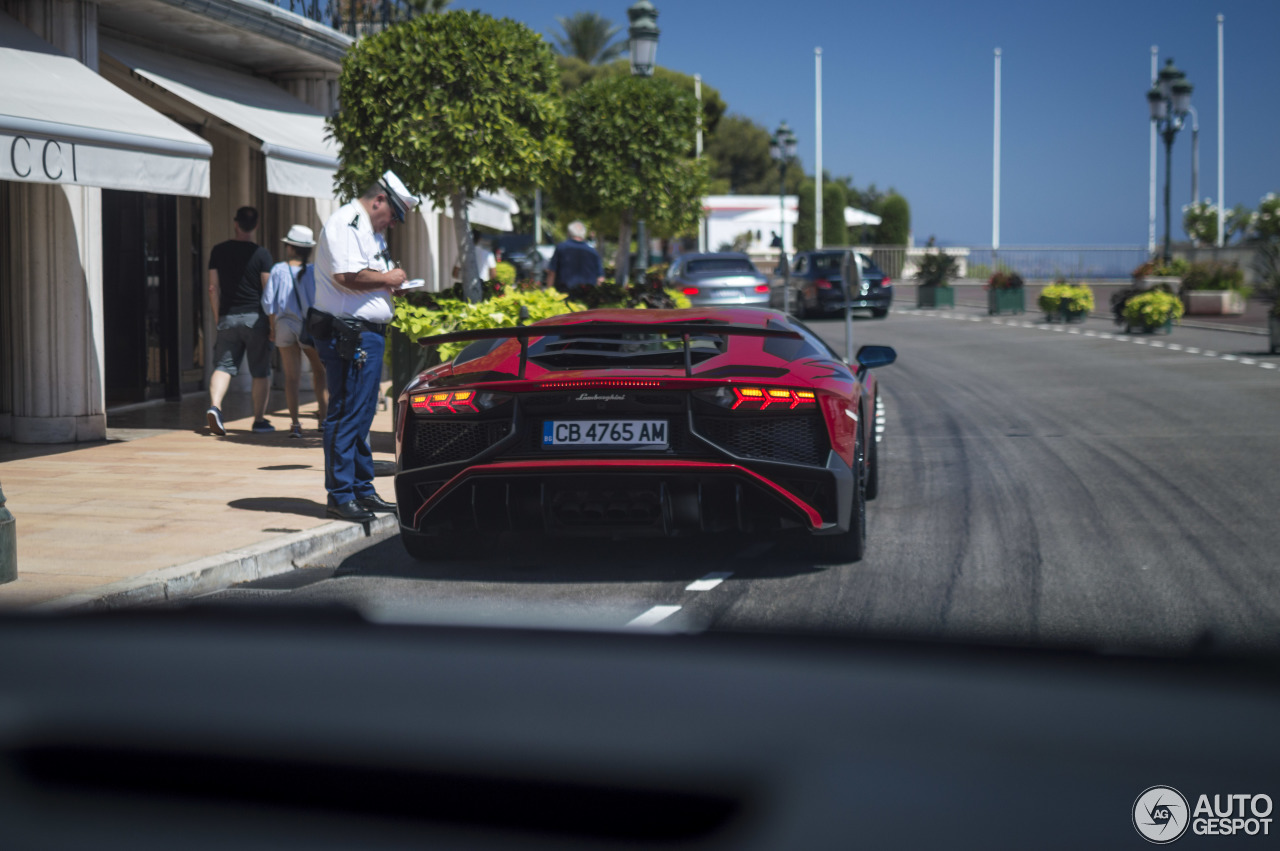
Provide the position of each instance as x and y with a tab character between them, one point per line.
1161	815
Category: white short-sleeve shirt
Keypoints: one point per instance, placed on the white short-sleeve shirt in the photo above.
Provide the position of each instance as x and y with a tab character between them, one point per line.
348	245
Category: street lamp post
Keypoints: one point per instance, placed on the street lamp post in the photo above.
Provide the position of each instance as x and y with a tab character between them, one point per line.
643	44
782	147
1170	101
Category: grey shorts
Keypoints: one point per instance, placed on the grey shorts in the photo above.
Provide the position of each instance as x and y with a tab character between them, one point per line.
240	334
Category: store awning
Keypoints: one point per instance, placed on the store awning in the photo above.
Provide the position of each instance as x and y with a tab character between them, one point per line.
62	123
853	217
489	209
290	133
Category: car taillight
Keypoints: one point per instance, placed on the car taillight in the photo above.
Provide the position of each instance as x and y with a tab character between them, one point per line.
690	291
758	398
762	288
765	397
454	402
884	282
822	284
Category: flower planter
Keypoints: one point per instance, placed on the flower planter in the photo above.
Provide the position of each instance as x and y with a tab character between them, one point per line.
1166	327
935	297
1274	324
1009	300
1213	303
1151	283
1073	315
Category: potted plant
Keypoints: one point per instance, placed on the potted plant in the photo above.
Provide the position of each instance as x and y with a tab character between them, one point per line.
1213	288
1005	293
1148	311
1156	274
934	274
1066	301
1273	325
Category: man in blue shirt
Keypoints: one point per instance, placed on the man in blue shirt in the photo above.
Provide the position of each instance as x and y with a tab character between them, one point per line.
575	264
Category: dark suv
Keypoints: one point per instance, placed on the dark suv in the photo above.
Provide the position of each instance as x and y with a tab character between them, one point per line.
817	285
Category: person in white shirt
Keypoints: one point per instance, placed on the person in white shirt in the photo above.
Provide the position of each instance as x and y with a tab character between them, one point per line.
486	262
355	280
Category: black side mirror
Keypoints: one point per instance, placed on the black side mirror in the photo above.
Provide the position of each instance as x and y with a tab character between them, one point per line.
870	357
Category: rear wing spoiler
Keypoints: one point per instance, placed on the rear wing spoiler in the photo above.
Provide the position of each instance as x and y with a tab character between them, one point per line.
685	330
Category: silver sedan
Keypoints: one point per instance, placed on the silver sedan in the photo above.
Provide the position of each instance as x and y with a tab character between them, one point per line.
719	279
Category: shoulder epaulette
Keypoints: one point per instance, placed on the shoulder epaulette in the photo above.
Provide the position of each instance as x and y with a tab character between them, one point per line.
355	223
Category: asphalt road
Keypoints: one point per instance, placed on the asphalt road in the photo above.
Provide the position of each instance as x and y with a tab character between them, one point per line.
1042	484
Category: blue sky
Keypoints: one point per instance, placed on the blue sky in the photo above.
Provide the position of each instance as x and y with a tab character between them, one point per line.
908	90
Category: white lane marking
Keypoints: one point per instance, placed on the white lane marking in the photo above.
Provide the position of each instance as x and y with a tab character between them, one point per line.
1267	365
1074	331
1139	342
1174	347
1209	353
879	429
1091	333
709	581
1105	336
975	318
1191	350
1249	361
653	616
1156	344
997	321
1230	357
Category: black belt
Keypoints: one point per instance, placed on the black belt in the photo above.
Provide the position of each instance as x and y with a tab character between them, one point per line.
364	324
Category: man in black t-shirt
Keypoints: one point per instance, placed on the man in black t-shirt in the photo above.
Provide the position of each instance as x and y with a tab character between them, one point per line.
238	270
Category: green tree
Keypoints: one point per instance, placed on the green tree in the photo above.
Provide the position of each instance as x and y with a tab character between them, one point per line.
574	73
740	163
835	197
895	220
631	159
589	37
455	103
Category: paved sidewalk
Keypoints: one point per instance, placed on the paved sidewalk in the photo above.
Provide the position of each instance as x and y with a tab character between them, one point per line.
115	520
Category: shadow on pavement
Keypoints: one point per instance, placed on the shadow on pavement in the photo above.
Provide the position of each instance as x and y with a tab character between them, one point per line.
572	561
280	505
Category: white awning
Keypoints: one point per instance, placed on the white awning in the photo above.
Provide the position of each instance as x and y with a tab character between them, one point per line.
489	209
854	217
300	160
62	123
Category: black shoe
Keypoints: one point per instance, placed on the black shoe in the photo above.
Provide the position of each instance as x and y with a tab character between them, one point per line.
349	511
214	418
375	503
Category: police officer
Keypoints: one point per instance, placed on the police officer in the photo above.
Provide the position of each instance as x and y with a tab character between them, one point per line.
354	284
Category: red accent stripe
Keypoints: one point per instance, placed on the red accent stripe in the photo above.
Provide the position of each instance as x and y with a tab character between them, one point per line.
815	519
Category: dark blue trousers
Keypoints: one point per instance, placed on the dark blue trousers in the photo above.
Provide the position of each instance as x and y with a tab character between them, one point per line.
353	401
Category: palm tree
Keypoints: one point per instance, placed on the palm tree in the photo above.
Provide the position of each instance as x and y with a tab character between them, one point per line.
590	37
426	7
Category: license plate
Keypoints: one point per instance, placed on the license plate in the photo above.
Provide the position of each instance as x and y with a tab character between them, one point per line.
649	434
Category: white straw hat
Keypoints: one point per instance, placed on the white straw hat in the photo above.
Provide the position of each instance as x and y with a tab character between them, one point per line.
301	236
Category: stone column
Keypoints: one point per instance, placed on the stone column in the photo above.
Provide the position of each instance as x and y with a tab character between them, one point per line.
55	268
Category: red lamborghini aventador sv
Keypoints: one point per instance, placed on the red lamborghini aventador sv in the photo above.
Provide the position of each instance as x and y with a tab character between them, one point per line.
639	422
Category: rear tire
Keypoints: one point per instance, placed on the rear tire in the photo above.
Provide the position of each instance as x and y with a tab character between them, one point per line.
879	312
848	546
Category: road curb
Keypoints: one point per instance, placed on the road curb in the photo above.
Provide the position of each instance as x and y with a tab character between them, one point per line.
214	573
